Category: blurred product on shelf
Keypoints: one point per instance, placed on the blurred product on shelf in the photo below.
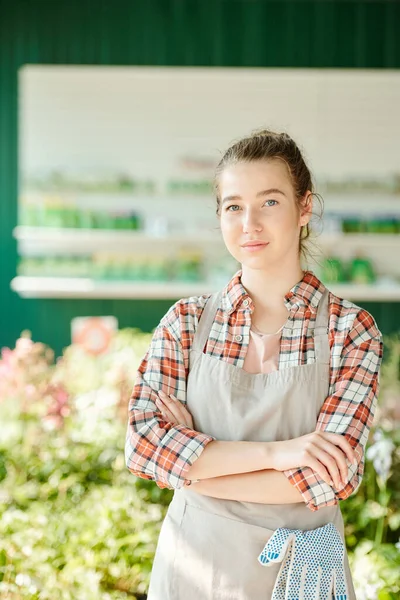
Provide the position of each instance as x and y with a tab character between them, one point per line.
333	270
360	184
56	213
101	182
187	266
379	223
54	210
358	270
335	222
362	270
103	236
54	266
389	223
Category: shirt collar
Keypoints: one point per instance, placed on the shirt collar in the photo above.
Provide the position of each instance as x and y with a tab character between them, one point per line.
307	293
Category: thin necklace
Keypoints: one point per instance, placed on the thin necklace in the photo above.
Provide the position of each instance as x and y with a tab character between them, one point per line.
256	330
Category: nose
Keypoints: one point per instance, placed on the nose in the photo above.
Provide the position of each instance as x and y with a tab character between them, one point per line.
251	222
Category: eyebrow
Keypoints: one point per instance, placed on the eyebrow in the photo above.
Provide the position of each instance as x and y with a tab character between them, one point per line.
262	193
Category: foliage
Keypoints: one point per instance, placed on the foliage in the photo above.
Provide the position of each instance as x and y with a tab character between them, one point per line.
76	525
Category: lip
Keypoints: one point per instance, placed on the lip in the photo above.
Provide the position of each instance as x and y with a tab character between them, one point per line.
254	246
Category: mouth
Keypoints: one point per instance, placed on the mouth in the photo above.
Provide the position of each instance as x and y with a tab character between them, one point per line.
255	247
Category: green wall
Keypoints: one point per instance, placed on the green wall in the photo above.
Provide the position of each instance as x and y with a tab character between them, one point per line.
248	33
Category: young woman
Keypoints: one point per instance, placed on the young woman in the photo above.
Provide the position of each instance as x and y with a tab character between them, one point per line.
254	404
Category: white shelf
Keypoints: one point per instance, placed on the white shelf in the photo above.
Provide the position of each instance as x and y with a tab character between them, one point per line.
366	293
77	287
94	238
369	240
69	287
60	238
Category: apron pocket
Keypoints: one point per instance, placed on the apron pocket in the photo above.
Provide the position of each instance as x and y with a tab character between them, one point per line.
217	559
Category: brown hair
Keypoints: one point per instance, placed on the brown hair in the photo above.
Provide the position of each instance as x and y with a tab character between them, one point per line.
263	144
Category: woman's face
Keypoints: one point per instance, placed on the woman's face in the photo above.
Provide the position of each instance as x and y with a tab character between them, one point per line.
258	204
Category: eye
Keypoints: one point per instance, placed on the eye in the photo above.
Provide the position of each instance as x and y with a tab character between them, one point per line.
236	206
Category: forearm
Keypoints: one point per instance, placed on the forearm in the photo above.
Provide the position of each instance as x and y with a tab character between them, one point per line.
220	458
263	487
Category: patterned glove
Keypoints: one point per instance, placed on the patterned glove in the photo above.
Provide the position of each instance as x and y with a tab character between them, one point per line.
313	568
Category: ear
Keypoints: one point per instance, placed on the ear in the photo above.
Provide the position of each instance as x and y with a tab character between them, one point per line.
306	209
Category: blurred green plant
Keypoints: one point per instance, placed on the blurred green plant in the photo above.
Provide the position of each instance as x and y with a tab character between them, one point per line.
76	525
372	515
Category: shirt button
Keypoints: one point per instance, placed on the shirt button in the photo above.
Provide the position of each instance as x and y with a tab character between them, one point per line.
246	302
238	338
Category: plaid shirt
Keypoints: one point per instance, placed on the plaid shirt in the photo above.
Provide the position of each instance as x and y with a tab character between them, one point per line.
156	449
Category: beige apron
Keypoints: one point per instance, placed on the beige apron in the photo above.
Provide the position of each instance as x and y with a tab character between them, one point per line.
208	548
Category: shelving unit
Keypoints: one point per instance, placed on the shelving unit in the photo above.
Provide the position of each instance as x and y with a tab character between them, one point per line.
47	238
75	287
34	240
59	238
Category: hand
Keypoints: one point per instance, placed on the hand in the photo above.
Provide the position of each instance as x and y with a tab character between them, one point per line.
173	410
324	452
312	563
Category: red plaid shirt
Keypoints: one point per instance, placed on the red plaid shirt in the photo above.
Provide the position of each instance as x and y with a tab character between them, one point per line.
158	450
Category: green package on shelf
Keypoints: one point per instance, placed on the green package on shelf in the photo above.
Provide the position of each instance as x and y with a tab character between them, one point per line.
382	224
134	221
86	219
101	220
353	224
54	217
70	217
361	271
333	270
30	215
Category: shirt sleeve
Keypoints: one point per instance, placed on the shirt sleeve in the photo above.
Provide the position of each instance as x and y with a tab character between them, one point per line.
348	410
155	448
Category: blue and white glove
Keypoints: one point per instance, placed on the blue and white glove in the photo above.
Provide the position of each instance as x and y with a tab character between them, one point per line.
313	568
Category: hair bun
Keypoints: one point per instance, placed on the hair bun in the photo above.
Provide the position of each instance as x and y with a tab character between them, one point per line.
264	133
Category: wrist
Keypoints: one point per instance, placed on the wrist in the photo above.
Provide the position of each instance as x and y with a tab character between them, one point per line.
270	454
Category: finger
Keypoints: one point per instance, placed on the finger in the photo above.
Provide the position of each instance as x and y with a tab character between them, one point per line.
166	412
185	412
329	462
295	576
182	416
276	547
179	409
278	593
173	407
326	585
340	584
319	468
338	456
311	583
306	589
340	459
341	441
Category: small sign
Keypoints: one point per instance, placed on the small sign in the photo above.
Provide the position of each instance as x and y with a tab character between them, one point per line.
94	334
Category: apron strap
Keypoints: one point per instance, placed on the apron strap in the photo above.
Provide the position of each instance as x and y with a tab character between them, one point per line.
321	329
206	321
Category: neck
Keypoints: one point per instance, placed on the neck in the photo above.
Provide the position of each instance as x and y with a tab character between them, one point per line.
267	288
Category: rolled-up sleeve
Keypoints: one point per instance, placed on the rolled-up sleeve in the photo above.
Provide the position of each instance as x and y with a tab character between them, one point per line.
348	410
156	449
